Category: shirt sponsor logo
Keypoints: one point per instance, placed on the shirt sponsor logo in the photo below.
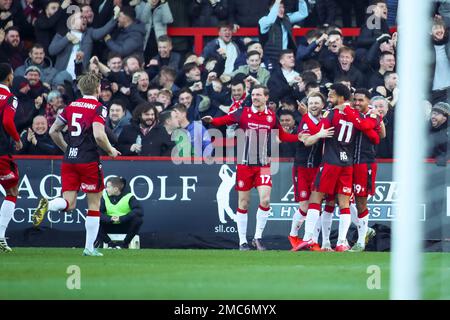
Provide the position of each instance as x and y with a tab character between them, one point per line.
88	187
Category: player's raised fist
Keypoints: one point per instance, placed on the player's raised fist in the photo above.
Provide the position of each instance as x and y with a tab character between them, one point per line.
207	119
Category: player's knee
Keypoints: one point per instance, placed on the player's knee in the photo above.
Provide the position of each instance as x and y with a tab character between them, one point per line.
361	207
12	193
243	204
265	202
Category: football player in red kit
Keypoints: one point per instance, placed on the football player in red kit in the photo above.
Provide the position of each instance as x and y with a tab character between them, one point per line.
364	167
335	175
81	168
9	175
306	164
253	170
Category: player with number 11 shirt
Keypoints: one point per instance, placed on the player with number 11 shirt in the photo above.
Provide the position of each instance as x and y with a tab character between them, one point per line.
335	175
81	169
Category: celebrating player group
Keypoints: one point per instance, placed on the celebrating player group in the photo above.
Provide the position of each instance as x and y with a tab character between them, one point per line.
334	161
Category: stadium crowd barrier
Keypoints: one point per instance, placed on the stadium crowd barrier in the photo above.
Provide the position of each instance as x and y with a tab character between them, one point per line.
199	34
189	205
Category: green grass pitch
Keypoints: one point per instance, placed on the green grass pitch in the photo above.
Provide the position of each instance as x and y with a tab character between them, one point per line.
37	273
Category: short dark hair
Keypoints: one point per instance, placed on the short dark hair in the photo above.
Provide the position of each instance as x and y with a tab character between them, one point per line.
308	76
189	66
388	74
252	53
312	64
334	33
185	90
386	53
237	81
165	115
5	71
179	107
341	90
36	46
153	86
129	12
225	24
311	85
113	55
285	52
117	182
121	103
164	38
364	92
13	28
284	112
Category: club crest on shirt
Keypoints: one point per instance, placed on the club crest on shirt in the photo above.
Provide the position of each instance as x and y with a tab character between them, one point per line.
240	183
303	194
269	118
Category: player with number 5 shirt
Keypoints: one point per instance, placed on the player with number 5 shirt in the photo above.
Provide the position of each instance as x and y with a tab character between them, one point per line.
81	168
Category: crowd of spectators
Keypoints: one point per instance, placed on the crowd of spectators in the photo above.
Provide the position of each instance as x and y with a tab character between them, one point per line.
153	84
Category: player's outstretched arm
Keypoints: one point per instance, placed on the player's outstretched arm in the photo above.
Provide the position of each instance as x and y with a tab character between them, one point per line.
56	134
285	136
102	140
323	133
226	120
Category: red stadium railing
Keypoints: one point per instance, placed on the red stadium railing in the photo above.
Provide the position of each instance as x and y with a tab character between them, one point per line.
200	33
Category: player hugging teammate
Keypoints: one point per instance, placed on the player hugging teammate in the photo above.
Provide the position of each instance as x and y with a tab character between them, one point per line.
349	135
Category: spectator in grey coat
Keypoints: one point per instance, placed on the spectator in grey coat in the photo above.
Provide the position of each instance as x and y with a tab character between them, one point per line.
128	39
38	59
156	15
276	28
118	117
80	38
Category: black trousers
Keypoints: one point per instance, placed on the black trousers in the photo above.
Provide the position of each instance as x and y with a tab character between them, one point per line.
131	228
359	7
